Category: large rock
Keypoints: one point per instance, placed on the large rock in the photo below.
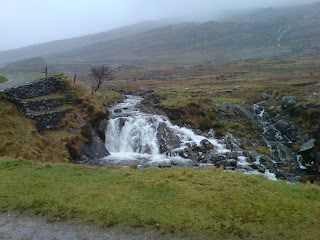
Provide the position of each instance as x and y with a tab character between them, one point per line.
308	146
167	138
288	101
206	144
232	142
92	153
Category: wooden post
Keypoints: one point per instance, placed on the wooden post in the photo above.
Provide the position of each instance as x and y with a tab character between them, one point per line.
46	71
74	78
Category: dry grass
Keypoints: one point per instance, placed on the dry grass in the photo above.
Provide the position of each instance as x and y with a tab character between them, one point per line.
19	137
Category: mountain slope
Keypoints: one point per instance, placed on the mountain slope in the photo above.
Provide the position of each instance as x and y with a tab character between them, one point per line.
268	32
55	47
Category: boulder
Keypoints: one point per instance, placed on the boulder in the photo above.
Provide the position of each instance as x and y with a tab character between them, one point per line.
206	144
167	138
94	151
288	101
232	142
308	145
281	125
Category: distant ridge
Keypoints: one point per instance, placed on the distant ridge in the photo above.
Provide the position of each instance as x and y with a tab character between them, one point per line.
57	46
267	32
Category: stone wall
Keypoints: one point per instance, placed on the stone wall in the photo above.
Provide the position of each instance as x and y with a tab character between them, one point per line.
41	105
41	110
49	121
43	87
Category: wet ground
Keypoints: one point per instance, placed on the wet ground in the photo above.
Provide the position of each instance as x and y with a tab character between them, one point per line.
16	226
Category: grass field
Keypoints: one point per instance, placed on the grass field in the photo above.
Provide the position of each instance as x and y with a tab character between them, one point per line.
199	203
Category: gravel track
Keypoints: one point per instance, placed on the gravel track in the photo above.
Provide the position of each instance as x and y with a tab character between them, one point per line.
16	226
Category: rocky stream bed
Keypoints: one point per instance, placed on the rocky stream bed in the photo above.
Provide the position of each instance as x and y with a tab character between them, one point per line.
137	135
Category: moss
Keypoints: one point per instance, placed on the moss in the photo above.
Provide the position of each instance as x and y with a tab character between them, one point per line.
60	75
3	79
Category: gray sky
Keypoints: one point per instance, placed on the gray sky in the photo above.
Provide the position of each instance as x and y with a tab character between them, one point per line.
27	22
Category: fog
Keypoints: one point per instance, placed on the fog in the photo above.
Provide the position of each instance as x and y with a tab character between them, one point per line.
28	22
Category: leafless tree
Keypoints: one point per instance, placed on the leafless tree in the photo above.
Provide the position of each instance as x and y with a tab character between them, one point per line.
100	73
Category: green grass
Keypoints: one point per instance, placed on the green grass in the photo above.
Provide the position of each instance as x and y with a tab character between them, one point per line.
204	204
37	75
51	96
3	79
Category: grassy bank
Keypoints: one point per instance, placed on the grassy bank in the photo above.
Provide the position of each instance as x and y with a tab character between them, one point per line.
203	203
3	79
20	138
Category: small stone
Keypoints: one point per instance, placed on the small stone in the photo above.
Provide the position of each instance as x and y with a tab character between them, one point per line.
117	110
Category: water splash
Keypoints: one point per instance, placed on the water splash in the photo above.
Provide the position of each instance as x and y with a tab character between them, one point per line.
134	136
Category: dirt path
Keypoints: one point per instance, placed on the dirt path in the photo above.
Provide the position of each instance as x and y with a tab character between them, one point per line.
26	227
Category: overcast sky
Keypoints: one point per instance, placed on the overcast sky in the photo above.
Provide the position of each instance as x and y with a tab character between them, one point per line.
27	22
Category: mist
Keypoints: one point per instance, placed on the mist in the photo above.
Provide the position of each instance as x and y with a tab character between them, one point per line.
29	22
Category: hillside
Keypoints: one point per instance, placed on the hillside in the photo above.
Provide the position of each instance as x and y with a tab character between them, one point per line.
59	46
265	32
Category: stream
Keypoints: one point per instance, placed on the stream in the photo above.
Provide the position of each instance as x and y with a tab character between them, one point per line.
135	137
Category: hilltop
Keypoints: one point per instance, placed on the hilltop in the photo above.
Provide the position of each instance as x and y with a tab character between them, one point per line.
267	32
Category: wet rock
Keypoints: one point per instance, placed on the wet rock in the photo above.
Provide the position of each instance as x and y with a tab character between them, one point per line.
265	159
240	109
216	159
233	155
100	129
245	168
183	155
117	110
281	125
167	137
258	109
232	163
288	101
308	145
94	151
251	155
258	167
232	142
206	144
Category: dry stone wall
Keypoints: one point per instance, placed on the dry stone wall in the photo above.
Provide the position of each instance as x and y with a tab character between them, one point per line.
42	111
43	87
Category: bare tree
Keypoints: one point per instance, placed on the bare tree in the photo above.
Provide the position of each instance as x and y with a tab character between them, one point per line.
100	73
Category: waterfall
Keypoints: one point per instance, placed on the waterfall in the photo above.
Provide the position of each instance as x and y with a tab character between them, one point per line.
137	135
147	139
133	136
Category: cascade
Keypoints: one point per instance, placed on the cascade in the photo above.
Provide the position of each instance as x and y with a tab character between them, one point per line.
133	136
147	139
